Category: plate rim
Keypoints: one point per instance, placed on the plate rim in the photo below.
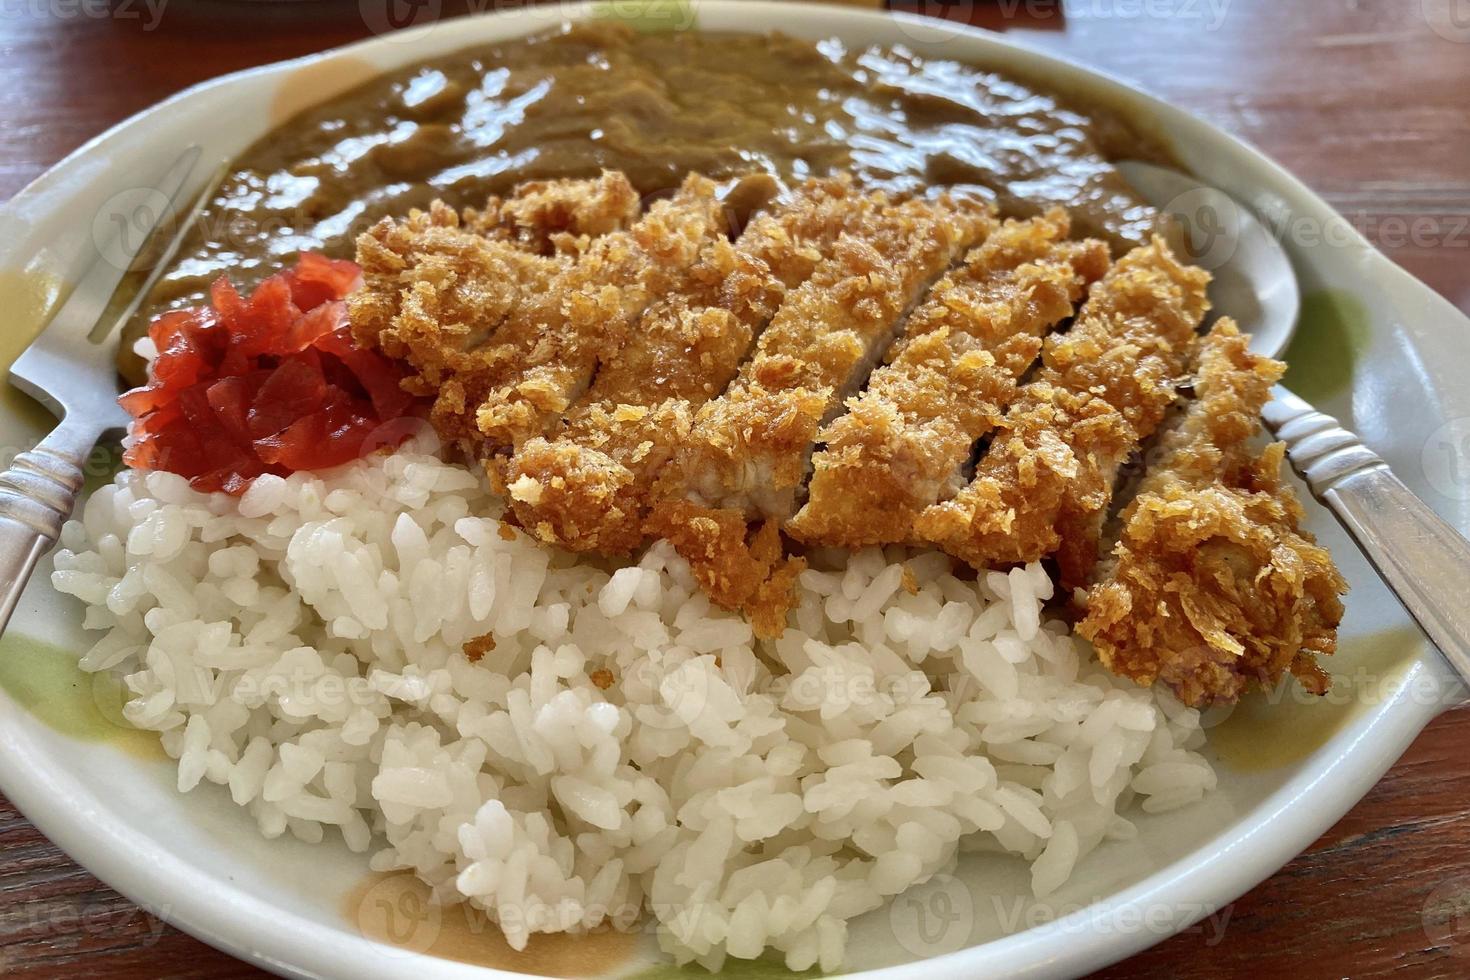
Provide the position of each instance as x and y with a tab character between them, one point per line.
249	930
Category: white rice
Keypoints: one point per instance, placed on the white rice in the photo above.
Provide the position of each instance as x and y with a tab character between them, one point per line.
302	647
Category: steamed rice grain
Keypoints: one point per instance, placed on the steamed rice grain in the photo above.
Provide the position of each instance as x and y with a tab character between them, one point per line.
615	747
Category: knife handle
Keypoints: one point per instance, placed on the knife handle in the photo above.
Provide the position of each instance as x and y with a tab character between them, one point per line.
37	494
1424	560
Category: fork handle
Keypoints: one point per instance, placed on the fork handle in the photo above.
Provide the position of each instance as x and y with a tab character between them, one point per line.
1422	558
37	494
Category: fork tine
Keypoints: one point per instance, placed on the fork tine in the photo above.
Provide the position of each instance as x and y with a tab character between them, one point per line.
79	315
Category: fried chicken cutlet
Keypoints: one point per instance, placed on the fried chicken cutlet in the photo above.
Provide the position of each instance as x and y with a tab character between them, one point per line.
597	357
749	448
545	353
437	286
904	442
550	216
1046	482
589	487
746	456
1213	585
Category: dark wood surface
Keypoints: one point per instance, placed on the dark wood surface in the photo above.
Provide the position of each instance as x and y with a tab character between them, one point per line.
1366	100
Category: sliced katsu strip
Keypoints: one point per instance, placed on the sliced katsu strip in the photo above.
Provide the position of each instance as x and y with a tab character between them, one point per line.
589	487
749	448
437	287
1213	585
905	441
747	454
545	353
550	216
1104	387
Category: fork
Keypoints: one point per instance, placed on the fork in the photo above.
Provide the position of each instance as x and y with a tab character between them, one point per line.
70	369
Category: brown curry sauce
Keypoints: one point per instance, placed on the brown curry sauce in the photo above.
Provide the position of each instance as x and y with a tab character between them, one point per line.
656	106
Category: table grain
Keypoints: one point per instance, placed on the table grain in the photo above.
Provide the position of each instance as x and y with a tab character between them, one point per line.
1368	101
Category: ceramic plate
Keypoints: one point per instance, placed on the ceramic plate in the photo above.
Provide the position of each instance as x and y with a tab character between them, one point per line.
1376	348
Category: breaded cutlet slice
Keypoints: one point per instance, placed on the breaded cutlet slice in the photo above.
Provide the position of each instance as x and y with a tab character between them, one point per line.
550	216
1213	586
905	440
749	448
745	458
588	487
546	351
1047	479
436	287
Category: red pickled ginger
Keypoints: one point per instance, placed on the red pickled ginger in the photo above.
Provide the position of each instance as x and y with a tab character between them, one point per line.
269	383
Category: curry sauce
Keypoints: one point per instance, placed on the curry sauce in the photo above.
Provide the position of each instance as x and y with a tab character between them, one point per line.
655	106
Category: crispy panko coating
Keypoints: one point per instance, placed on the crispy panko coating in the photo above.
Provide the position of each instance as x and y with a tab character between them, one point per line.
549	216
746	455
546	351
625	374
904	442
1106	384
1213	586
736	569
589	487
749	449
437	287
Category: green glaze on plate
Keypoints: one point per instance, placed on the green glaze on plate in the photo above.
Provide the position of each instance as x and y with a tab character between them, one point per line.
28	299
104	463
765	968
1282	726
649	15
1330	337
46	681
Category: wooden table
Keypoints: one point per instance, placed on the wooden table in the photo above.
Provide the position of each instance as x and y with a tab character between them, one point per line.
1367	100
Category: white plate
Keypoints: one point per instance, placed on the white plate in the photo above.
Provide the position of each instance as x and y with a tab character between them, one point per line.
1379	349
